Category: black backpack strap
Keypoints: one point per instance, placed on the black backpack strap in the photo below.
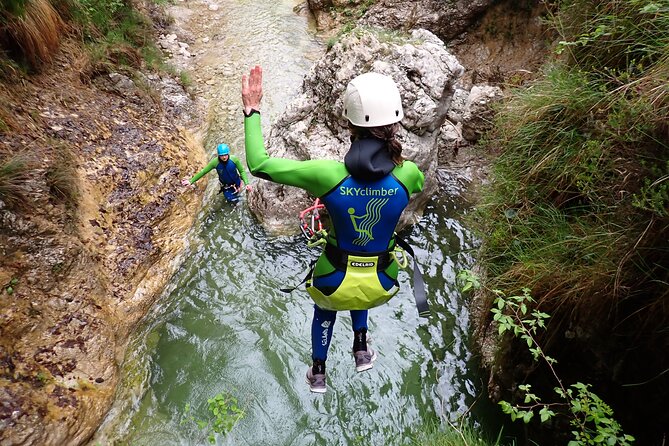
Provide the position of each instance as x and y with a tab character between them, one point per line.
309	273
418	283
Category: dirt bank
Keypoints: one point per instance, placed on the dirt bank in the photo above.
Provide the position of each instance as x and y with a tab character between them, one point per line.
89	244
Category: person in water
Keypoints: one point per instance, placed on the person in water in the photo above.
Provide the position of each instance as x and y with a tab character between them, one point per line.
231	173
364	197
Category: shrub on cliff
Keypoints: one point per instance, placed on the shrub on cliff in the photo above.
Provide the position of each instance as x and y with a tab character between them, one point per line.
578	208
116	31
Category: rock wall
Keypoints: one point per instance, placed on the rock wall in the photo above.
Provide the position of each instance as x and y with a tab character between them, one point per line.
446	19
85	265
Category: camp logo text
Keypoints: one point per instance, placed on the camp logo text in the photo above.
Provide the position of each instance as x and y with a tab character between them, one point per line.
362	264
367	191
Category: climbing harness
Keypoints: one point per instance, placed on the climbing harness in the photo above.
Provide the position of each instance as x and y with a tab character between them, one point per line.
311	227
230	192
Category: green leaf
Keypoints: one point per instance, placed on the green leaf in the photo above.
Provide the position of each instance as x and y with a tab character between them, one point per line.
506	406
10	290
500	303
510	213
651	8
546	414
528	416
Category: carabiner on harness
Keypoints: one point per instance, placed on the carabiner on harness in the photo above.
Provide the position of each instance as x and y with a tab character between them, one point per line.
400	256
311	225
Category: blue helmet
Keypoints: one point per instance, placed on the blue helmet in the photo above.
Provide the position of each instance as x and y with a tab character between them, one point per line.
223	149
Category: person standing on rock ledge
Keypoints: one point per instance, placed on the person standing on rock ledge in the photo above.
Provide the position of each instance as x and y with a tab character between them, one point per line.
231	174
364	197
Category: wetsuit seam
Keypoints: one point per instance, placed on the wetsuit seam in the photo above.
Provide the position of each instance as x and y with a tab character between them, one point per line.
406	191
333	188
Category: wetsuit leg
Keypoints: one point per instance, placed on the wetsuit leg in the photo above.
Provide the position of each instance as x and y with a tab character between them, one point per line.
359	325
359	319
321	332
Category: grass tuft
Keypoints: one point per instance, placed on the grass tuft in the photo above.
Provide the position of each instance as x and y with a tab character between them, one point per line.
62	177
13	176
31	31
451	435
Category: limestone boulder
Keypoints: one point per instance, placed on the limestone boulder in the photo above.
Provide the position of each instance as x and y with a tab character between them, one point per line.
312	126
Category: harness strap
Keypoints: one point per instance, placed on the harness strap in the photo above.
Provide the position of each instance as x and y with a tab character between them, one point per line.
419	293
225	187
339	258
309	273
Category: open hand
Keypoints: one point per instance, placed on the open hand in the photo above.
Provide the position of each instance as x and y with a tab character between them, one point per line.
185	182
252	90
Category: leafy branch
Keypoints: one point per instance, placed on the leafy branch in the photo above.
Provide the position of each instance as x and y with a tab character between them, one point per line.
591	417
224	413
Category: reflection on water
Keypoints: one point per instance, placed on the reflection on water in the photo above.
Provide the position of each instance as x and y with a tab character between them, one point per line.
223	326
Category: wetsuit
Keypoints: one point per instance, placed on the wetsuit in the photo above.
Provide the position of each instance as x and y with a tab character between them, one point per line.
230	174
364	197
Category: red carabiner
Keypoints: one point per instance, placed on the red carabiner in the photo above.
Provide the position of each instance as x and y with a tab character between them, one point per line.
315	225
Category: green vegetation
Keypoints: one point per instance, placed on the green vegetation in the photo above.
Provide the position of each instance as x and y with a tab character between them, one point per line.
224	413
580	196
116	32
62	178
383	35
591	418
13	175
9	286
451	435
578	207
349	15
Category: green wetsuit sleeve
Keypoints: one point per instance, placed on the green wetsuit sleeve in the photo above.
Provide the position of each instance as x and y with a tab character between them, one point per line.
240	169
212	164
315	176
410	175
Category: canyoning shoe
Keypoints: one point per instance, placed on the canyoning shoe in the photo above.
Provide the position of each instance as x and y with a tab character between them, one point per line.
316	382
364	359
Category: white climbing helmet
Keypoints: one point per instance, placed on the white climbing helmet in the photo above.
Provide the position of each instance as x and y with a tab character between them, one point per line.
372	100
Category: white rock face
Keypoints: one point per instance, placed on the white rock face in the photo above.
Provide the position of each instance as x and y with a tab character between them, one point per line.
312	127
